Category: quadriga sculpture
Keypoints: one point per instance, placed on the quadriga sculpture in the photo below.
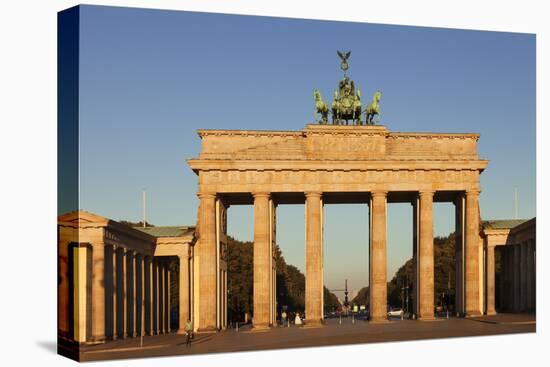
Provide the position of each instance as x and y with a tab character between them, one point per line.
321	107
347	103
373	108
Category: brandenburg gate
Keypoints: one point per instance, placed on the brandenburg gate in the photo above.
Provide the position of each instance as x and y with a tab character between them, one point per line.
324	164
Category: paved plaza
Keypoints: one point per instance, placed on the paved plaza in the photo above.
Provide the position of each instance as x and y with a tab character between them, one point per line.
333	333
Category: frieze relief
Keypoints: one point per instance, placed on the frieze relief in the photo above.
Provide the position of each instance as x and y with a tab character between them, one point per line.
288	177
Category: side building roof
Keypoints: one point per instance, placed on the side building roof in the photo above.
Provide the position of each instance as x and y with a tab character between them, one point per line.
502	223
168	231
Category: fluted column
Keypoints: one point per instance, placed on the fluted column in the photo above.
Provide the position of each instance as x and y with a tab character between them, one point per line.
121	292
130	294
139	294
63	293
510	278
378	285
415	242
472	253
207	263
314	259
155	294
98	292
460	235
523	277
314	262
167	297
110	289
426	257
533	261
490	279
516	281
184	287
147	296
81	277
262	261
162	297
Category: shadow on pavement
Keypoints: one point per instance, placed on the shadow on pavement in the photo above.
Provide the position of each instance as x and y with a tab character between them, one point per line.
48	345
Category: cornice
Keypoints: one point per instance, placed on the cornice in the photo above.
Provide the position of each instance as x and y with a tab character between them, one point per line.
331	165
428	135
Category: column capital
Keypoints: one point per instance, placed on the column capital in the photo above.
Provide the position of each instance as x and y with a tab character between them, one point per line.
426	193
313	194
261	194
473	192
206	195
379	193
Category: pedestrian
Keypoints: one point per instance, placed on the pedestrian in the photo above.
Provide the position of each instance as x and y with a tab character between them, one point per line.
283	318
297	320
188	332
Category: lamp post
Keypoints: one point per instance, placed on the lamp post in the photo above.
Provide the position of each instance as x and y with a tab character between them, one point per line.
405	296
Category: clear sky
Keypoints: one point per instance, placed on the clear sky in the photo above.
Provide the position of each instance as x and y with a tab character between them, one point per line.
150	79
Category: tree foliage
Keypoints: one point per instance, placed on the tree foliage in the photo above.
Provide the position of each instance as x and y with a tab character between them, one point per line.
290	282
136	224
444	277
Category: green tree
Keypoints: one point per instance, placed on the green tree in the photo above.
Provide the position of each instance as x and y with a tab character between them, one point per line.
444	277
289	279
362	297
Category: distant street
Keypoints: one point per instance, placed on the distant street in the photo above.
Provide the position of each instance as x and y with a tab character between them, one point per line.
332	333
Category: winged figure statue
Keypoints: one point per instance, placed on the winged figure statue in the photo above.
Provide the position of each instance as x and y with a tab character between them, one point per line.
344	57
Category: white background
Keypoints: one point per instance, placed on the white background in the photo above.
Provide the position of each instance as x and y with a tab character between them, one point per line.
28	180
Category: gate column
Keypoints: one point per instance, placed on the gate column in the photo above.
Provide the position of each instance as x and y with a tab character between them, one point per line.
490	278
314	259
262	261
207	263
472	253
426	257
378	288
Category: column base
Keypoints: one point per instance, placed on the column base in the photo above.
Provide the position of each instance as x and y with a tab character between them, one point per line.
491	313
473	314
97	339
181	331
207	330
260	327
314	324
426	318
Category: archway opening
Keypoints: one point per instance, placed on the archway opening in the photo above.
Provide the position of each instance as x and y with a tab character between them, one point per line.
240	275
290	261
400	263
445	252
346	259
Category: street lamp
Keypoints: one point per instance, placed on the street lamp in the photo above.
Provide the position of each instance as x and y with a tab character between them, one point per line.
405	296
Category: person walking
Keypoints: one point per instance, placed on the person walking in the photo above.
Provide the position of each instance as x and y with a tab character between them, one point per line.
297	319
188	332
283	318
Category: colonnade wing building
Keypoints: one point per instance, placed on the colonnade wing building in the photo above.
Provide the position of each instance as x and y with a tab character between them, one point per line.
510	249
115	281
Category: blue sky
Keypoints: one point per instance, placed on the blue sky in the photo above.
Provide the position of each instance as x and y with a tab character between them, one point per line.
150	79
